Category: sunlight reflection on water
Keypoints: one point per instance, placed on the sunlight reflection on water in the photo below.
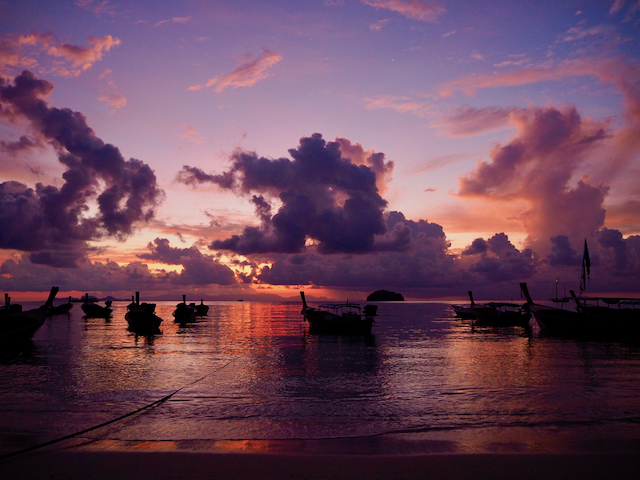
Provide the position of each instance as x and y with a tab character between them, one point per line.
423	376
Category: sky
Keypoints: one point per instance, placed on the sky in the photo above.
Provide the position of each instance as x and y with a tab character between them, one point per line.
253	149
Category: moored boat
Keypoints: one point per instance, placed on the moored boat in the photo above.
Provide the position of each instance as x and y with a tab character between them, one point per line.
62	308
500	314
141	317
553	320
599	323
18	328
184	313
613	308
93	310
201	309
9	308
464	312
339	317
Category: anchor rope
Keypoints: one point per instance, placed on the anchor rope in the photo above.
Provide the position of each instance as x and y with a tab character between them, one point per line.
104	424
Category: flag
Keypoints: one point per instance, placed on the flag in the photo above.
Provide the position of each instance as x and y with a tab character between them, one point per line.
585	258
586	267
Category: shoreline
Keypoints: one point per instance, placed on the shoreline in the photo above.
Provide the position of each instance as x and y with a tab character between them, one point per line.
106	465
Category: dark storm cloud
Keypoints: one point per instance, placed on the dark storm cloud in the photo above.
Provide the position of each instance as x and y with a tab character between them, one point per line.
24	143
562	253
615	261
325	198
615	248
198	269
499	260
49	220
479	245
414	256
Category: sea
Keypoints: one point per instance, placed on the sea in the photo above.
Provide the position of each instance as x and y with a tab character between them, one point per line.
250	377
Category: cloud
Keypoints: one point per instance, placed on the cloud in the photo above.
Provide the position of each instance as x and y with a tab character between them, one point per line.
325	198
110	93
370	158
191	134
66	60
562	253
413	9
630	14
198	269
581	33
83	58
536	167
24	143
621	148
99	7
437	163
500	261
419	108
376	27
173	20
246	75
615	71
419	260
468	121
52	222
617	6
625	215
479	245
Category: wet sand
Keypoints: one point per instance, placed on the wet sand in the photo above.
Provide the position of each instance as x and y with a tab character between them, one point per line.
71	465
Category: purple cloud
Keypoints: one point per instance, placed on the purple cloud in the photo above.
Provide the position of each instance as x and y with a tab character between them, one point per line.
51	222
325	199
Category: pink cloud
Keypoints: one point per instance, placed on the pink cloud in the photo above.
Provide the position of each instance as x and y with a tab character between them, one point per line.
468	121
83	58
191	134
437	163
400	105
372	159
99	8
71	60
173	20
246	75
413	9
536	167
110	93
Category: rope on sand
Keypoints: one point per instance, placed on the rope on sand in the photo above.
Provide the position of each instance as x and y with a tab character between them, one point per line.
104	424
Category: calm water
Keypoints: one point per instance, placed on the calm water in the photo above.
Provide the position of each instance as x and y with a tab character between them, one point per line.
254	379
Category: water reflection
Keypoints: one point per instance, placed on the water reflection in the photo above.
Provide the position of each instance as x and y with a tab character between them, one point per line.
255	371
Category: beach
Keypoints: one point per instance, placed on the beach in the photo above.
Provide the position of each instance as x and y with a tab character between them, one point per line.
70	465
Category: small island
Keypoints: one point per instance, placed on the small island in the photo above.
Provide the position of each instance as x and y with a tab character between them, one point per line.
385	296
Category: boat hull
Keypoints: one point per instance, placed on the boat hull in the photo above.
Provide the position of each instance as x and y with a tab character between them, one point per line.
95	311
184	314
143	322
18	329
465	313
495	318
575	324
325	322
